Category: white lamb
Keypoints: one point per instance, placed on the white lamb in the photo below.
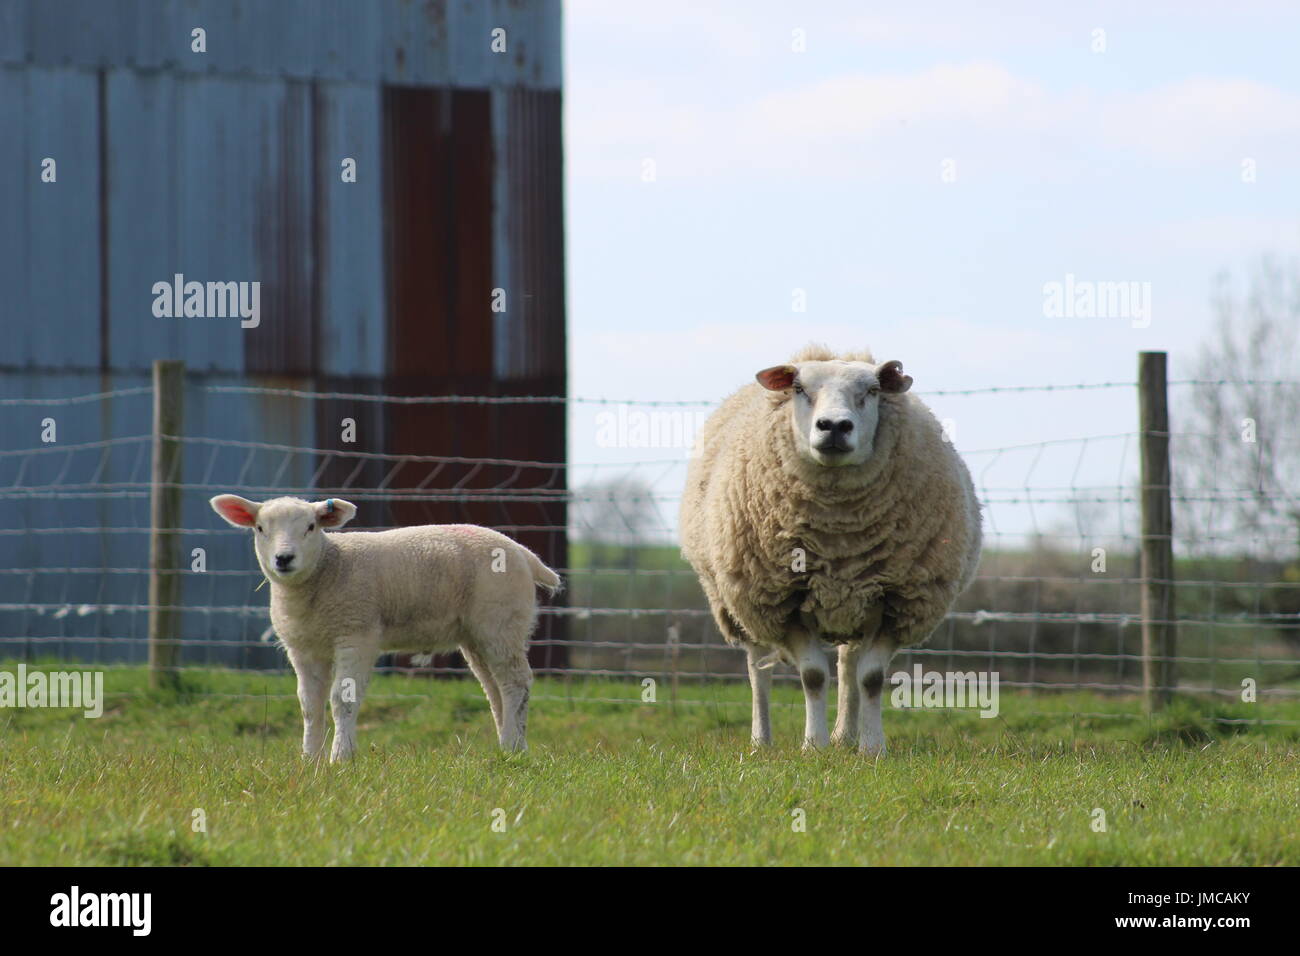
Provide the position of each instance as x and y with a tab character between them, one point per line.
339	600
825	506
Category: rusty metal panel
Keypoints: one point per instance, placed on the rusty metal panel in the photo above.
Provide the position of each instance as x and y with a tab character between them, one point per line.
415	44
49	231
280	198
531	224
439	182
532	35
417	124
449	43
349	231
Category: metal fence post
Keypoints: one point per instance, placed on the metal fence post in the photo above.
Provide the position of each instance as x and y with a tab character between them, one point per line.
1159	634
165	519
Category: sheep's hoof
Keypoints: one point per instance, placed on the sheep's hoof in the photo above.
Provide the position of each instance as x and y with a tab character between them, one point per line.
845	740
872	750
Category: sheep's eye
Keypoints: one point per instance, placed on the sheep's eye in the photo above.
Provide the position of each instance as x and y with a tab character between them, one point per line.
874	390
259	529
798	389
311	527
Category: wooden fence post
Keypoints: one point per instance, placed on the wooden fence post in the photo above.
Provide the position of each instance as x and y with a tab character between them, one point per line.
1159	633
165	518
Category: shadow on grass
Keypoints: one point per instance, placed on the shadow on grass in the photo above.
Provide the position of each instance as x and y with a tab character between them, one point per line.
156	849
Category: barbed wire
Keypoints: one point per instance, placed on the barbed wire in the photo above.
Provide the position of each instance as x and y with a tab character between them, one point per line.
582	400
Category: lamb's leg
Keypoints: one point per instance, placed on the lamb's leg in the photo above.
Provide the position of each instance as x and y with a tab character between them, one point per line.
814	673
847	698
313	688
515	679
873	660
353	665
490	689
760	684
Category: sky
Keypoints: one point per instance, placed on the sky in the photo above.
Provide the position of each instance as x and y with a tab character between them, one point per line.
915	177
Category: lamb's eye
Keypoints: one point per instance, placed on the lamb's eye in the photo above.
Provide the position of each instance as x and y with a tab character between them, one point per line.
798	389
874	390
259	529
311	527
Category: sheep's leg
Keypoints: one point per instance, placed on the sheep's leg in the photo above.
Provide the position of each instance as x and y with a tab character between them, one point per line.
352	668
313	689
847	697
514	678
760	684
490	689
814	672
872	662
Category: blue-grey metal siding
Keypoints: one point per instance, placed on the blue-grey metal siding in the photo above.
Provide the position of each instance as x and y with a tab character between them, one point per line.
411	42
49	240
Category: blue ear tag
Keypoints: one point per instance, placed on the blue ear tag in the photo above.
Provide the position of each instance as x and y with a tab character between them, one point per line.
329	506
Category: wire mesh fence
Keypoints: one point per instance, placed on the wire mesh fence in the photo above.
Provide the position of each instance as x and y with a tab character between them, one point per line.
1056	605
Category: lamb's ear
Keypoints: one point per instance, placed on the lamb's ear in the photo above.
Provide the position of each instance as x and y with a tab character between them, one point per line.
335	512
777	378
892	379
240	512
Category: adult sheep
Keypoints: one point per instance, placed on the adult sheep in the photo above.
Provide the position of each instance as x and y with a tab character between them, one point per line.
824	505
339	600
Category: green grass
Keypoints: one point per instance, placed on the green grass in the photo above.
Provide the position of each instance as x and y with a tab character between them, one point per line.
634	783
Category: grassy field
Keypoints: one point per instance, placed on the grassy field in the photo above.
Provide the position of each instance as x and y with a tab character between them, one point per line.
633	783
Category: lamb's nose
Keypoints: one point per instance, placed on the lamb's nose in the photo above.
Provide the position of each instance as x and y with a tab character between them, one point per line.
844	425
282	561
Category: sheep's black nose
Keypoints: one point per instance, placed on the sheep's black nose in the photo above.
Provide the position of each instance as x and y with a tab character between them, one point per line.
844	425
282	561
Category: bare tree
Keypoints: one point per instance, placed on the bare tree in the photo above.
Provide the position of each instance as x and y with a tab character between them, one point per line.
615	511
1236	445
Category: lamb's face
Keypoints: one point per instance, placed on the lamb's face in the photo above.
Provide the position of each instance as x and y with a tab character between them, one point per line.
288	533
834	406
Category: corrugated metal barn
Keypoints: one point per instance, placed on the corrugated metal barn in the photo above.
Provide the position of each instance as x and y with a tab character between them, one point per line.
228	165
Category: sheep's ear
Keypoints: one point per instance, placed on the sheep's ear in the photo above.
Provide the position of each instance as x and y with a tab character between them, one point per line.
892	379
777	378
334	512
240	512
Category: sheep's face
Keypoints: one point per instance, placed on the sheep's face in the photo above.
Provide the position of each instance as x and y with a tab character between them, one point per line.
834	406
288	533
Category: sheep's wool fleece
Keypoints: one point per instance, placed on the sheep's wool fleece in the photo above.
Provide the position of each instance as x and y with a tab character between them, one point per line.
898	534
